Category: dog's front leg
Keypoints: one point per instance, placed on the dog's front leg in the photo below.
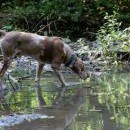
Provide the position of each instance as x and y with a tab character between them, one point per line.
60	76
38	72
56	69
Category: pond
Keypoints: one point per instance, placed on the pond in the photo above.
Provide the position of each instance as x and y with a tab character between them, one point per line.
101	103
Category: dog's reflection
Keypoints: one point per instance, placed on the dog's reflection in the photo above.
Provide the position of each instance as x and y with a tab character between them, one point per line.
3	104
56	100
41	100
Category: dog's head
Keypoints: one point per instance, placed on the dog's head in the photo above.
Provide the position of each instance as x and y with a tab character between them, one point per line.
79	68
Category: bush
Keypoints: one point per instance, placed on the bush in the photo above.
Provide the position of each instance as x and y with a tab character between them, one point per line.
111	38
74	18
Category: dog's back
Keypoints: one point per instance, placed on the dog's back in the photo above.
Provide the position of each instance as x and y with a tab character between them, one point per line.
41	48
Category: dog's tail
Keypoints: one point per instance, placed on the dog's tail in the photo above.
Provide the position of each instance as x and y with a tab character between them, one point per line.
3	32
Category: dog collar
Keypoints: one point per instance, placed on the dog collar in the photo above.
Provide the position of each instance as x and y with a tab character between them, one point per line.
71	61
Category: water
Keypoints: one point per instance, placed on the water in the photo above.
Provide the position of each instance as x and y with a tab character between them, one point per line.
101	103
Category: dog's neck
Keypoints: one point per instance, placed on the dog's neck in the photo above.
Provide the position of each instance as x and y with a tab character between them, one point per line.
68	51
70	56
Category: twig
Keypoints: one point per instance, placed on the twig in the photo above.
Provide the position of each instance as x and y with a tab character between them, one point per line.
24	77
10	78
92	33
37	25
46	26
11	82
26	22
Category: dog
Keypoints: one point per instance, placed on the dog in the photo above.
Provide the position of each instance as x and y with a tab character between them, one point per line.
44	49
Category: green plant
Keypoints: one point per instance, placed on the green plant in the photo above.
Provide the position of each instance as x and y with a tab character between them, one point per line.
55	9
111	38
73	18
8	27
107	33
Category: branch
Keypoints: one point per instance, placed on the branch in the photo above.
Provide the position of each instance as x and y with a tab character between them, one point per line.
48	25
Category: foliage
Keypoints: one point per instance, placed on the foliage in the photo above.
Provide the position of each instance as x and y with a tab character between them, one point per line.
28	10
59	9
107	33
74	18
111	38
7	27
46	16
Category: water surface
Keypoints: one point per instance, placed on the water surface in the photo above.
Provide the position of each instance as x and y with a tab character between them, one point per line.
101	103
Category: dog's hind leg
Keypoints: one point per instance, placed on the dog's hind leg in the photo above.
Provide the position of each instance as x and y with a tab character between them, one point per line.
6	64
7	59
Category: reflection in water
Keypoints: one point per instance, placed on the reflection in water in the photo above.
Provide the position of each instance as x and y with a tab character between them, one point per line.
3	103
39	96
105	106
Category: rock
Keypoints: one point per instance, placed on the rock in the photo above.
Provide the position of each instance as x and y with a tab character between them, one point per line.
17	119
67	40
48	68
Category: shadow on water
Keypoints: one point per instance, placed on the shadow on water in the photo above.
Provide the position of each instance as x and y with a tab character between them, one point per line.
102	103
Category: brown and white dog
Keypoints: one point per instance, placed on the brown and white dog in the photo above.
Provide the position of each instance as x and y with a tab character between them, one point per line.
41	48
